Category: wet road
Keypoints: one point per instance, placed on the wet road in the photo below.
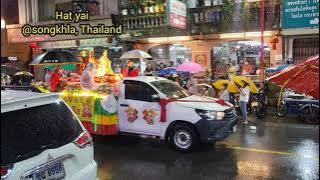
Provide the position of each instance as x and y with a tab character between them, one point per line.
269	152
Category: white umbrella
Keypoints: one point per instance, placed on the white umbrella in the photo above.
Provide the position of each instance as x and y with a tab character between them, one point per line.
23	73
135	54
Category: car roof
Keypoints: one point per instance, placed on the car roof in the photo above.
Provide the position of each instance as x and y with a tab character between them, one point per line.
12	100
147	79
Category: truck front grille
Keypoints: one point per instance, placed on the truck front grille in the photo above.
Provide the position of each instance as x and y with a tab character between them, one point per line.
230	114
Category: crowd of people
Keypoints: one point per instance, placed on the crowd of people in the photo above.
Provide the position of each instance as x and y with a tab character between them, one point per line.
195	84
229	69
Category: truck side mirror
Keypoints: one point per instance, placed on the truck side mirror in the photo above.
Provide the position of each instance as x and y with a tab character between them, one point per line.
155	97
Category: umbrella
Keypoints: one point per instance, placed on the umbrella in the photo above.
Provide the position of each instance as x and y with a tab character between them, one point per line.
190	67
302	77
135	54
23	73
168	71
231	87
7	69
55	56
239	79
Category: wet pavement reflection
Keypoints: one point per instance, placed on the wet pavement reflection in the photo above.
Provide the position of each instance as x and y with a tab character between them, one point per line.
266	153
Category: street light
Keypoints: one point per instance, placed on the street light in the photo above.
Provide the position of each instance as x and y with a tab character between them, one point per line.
3	24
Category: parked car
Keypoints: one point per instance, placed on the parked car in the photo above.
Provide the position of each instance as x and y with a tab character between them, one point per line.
41	138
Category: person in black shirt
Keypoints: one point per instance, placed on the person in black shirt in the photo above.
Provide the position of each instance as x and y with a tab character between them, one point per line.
149	70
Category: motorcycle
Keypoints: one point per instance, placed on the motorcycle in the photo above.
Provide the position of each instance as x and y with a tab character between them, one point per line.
259	104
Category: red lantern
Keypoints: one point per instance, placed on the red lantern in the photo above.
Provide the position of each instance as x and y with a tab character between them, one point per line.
274	40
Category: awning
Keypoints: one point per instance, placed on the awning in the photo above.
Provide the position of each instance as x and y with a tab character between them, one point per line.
302	77
55	56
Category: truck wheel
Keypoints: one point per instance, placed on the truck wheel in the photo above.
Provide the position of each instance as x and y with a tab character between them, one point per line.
184	138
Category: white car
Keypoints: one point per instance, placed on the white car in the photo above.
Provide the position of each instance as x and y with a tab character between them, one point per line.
41	138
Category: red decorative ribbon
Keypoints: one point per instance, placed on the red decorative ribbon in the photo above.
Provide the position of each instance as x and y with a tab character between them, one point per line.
163	103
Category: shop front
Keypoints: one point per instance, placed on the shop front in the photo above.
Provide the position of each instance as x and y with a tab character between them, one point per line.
83	50
300	31
208	49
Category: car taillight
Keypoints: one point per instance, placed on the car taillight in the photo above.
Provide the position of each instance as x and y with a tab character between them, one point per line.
84	140
5	171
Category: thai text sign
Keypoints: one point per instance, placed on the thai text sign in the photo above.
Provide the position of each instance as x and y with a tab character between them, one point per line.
177	14
300	13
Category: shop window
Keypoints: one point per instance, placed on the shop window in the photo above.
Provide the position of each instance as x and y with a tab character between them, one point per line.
138	91
170	52
237	52
304	48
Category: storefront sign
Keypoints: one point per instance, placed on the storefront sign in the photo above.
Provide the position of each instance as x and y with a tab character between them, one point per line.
177	14
13	58
63	44
300	13
97	42
58	44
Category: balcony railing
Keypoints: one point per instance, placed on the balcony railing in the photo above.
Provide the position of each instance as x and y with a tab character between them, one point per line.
208	20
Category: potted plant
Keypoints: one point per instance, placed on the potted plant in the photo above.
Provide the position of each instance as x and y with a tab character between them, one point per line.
159	6
131	8
144	4
124	12
151	6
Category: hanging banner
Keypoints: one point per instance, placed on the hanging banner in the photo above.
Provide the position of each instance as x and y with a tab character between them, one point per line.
177	14
300	14
83	106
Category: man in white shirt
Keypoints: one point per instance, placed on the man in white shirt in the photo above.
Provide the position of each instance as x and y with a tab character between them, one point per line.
244	99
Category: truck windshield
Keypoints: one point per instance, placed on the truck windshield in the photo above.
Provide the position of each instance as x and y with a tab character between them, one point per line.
170	89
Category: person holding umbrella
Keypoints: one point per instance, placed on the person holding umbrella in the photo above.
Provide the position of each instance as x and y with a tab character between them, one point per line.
224	93
130	70
244	99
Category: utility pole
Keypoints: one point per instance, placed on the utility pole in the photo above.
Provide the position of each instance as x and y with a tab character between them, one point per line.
262	43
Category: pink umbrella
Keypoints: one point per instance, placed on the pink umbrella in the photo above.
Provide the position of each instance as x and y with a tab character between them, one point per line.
190	67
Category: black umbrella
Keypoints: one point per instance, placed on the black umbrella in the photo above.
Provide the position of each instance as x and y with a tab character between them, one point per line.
55	56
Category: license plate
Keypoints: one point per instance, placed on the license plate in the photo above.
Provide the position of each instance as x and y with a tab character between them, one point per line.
53	173
254	104
234	129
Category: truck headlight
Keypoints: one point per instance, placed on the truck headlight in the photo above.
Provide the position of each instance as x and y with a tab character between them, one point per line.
210	115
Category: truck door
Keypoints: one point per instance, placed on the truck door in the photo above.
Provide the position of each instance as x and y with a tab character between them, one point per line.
138	111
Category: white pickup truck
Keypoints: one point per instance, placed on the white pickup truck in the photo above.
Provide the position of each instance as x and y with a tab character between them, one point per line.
185	121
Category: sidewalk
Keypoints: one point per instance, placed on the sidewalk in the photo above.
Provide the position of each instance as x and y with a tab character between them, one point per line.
272	120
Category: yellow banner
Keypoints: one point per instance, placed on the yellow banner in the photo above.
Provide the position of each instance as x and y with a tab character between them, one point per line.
83	106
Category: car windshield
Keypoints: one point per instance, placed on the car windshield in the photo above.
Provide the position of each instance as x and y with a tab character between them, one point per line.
170	89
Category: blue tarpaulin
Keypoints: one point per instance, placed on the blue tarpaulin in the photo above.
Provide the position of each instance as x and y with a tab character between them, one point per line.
277	69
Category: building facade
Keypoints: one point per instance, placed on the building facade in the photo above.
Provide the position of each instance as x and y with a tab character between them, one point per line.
204	31
300	29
